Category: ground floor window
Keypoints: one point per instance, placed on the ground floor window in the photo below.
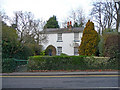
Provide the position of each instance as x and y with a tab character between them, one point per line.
59	50
75	50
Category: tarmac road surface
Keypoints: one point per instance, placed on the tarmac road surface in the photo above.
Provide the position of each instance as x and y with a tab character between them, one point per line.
61	81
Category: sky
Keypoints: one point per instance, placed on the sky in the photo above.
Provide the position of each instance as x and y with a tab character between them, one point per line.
46	8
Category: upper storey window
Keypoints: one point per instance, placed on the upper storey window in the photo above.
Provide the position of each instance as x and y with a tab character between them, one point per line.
59	37
76	37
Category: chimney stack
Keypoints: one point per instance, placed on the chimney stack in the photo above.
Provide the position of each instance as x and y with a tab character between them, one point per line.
69	25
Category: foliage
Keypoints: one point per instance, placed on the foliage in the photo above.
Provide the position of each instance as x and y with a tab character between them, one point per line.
75	24
90	40
101	46
109	30
13	48
37	49
8	65
63	54
55	63
25	52
69	63
10	44
52	23
109	43
112	45
42	53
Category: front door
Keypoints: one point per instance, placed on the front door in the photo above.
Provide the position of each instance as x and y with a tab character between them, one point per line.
50	52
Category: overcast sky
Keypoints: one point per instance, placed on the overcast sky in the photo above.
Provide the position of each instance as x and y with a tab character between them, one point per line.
46	8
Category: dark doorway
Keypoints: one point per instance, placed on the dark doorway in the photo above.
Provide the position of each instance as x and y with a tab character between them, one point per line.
51	50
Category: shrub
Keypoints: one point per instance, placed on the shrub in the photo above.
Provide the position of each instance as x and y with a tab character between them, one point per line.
90	39
42	53
63	54
56	63
112	45
8	65
69	63
97	62
101	46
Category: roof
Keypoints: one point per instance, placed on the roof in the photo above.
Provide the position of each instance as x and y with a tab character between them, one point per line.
62	30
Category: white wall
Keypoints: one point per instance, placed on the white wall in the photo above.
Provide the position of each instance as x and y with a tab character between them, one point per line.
67	44
52	38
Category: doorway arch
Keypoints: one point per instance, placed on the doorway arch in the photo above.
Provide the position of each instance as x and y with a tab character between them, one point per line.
51	50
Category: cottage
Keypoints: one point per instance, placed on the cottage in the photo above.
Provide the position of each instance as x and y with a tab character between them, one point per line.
63	40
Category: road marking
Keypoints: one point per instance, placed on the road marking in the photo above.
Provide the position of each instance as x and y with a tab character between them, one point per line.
69	76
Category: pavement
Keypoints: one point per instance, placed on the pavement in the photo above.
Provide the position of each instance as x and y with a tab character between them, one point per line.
59	73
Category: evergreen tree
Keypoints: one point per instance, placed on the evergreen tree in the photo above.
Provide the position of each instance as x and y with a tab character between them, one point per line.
90	40
52	23
75	24
10	42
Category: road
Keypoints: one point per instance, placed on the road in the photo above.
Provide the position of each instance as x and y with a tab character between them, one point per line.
76	81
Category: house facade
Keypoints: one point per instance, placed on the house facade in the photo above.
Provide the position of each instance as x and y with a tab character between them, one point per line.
63	40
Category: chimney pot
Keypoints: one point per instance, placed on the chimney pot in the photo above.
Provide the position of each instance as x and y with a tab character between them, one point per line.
68	24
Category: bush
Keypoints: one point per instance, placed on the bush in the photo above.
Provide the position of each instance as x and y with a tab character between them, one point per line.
101	46
68	63
112	45
42	53
63	54
8	65
56	63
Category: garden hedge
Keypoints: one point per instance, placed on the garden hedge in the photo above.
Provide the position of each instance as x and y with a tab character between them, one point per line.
10	64
69	63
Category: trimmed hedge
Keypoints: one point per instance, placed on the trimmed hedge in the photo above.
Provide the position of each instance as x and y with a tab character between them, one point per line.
55	63
68	63
10	64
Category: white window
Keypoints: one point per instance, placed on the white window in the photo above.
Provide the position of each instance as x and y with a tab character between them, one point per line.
76	37
75	50
59	36
59	50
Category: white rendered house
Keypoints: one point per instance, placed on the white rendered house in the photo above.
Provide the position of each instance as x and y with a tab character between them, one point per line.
63	40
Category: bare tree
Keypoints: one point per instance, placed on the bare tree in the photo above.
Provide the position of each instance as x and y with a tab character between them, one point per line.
105	14
64	23
38	25
77	16
26	26
5	18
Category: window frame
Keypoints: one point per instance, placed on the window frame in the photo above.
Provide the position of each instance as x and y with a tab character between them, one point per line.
59	37
59	50
76	37
75	53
